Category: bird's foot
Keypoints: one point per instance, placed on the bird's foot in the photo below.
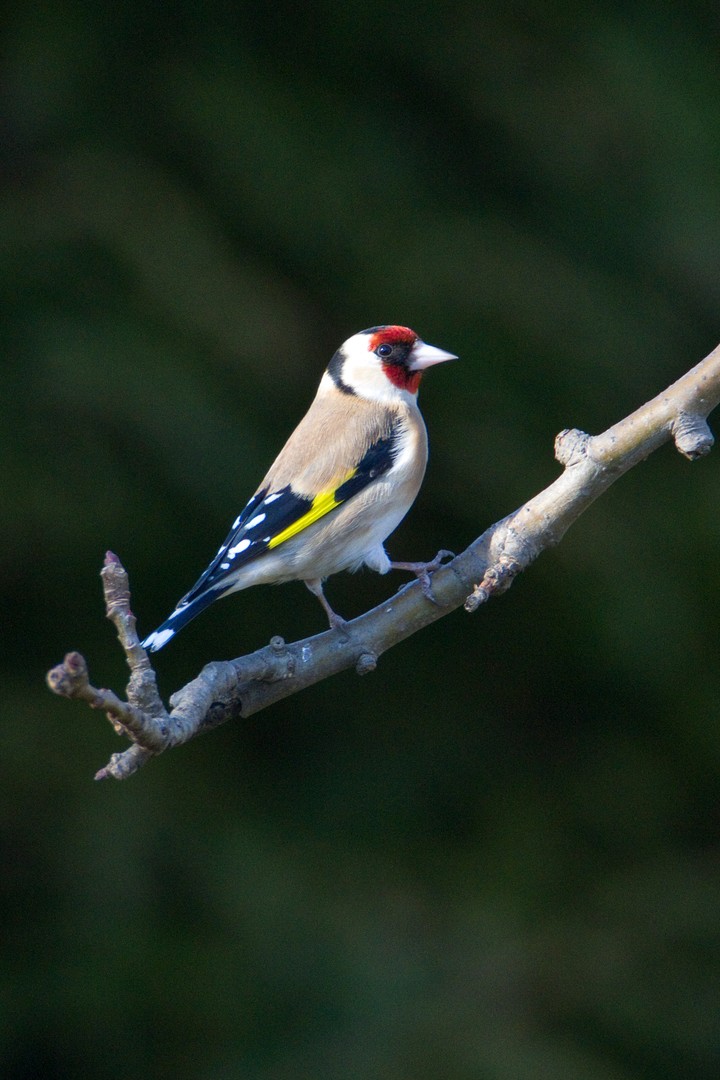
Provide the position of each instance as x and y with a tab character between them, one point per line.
423	570
336	621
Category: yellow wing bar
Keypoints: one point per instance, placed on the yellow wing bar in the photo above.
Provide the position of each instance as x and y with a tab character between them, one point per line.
322	504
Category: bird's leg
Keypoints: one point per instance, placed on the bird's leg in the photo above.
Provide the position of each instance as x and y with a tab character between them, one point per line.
423	570
336	621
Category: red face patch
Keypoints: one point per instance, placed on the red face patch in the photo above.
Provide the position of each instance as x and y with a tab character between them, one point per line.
392	335
397	341
401	377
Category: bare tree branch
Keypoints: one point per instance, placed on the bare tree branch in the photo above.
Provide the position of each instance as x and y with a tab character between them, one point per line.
234	688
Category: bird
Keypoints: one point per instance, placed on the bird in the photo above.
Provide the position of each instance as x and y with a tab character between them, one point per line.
342	483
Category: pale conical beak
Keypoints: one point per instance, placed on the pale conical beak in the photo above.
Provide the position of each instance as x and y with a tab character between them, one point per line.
424	356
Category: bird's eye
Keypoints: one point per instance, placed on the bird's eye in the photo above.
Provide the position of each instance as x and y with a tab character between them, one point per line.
384	350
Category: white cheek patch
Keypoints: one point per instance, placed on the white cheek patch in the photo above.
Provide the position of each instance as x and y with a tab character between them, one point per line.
364	372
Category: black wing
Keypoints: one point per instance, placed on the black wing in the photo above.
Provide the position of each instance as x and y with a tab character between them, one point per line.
268	520
271	518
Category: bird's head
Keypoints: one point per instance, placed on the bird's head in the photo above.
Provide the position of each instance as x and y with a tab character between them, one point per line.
383	362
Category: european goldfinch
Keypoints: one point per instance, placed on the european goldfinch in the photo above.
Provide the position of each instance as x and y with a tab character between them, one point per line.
344	480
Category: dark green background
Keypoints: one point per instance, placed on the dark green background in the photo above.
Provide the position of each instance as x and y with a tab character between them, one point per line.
496	858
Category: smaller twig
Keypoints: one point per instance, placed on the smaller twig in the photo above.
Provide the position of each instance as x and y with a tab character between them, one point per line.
497	579
200	706
143	717
121	766
142	689
70	679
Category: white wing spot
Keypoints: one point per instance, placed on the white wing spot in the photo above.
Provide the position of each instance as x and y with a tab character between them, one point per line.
224	565
238	519
272	498
243	545
257	520
157	640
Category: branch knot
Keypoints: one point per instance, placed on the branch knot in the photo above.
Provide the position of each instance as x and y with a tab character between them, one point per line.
366	663
571	446
692	435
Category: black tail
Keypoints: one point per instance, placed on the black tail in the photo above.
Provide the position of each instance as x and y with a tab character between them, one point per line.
179	618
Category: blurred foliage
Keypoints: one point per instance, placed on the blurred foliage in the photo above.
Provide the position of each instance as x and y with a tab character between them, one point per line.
497	857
